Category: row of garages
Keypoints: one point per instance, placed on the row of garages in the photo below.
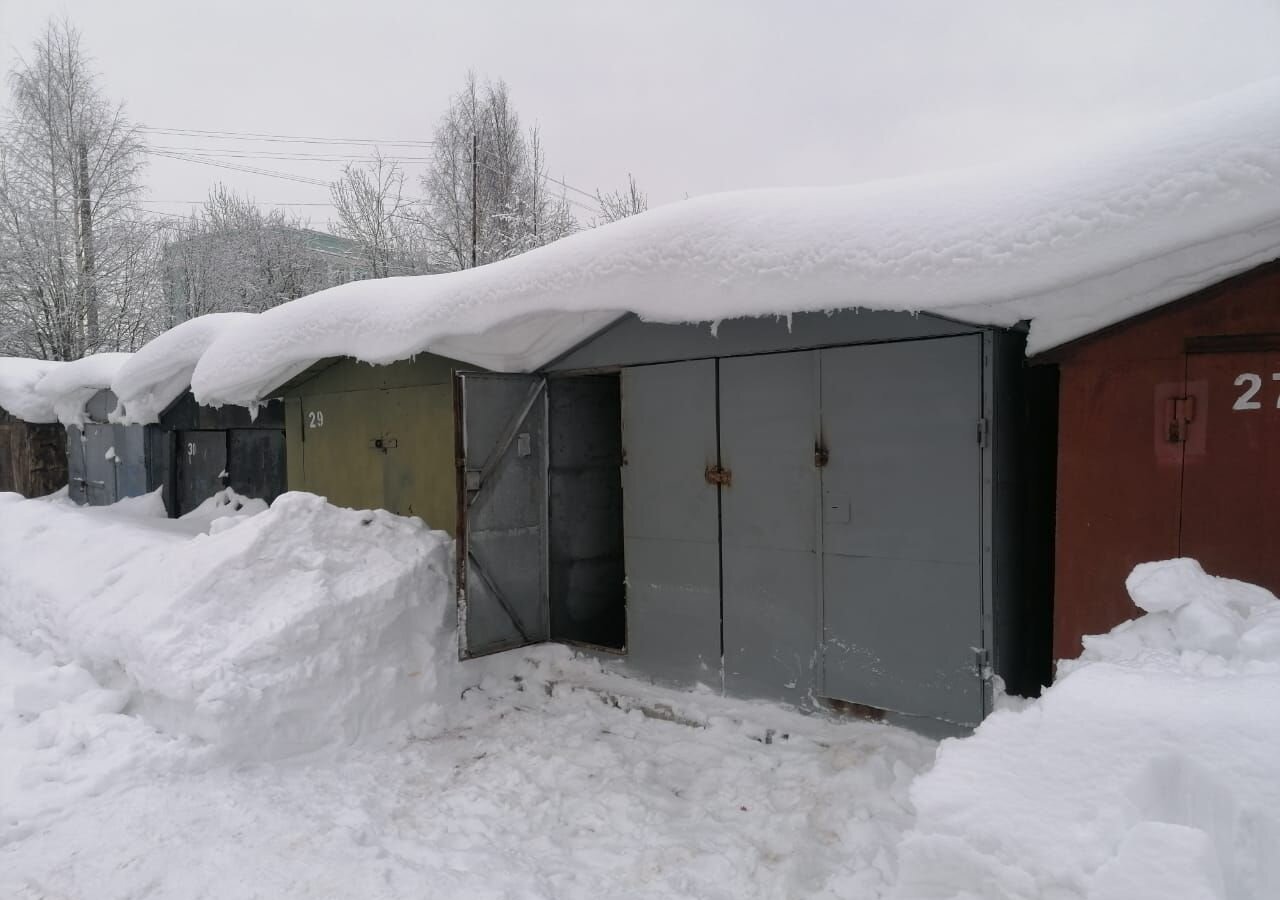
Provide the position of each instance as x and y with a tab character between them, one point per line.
874	512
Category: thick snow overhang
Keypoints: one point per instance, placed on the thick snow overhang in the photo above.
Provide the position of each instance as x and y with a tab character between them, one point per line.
1071	243
18	397
158	374
71	385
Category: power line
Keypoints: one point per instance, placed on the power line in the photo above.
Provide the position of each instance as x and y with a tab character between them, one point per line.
253	170
284	155
568	200
563	184
256	202
280	138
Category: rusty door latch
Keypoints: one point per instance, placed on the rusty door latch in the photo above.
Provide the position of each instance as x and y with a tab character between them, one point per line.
718	475
1181	413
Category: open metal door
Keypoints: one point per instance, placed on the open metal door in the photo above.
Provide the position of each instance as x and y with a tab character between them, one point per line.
503	597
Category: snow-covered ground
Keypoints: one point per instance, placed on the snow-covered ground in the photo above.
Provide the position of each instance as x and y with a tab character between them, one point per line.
267	703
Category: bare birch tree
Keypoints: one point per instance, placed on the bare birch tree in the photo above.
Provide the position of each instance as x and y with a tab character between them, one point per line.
77	259
374	212
486	192
620	204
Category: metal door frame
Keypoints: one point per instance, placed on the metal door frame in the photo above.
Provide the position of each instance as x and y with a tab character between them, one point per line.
990	434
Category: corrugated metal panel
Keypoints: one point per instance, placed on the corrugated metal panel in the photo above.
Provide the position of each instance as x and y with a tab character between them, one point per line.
770	437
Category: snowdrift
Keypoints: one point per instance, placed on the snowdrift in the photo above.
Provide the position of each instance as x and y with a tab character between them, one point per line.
70	385
148	383
18	397
277	633
1149	771
1072	242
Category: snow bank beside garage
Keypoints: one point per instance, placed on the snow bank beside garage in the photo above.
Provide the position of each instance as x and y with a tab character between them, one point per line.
70	385
300	627
148	383
1148	771
1072	242
18	396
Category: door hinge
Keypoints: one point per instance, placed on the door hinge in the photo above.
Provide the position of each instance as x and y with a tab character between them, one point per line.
821	455
982	662
716	474
1181	412
984	431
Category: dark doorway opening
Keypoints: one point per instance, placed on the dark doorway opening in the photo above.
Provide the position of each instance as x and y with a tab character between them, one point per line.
586	573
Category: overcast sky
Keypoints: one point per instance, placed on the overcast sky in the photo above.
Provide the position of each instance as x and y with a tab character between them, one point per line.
692	97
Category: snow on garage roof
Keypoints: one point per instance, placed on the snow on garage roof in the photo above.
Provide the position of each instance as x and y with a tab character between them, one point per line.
1073	243
18	395
158	374
70	385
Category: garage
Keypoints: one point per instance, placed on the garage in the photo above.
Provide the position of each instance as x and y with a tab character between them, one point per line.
196	451
827	512
106	461
1169	446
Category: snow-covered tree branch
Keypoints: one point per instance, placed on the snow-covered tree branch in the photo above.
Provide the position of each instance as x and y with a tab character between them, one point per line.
77	260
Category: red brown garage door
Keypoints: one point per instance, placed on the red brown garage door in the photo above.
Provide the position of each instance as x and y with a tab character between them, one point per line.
1231	460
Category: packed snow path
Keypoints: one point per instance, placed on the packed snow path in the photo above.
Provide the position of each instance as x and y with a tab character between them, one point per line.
267	702
532	788
540	777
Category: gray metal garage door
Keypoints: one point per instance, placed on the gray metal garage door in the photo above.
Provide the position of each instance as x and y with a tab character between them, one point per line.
99	471
671	521
502	528
902	587
769	428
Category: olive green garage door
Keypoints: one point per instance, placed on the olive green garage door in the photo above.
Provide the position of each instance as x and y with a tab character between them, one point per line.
368	438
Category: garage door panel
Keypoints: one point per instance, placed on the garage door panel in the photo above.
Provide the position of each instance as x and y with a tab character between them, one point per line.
769	431
339	461
902	635
901	422
771	620
420	473
671	521
902	526
673	610
256	462
1231	466
202	458
100	472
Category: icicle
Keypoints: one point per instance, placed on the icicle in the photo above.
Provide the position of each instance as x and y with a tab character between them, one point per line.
715	328
254	406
